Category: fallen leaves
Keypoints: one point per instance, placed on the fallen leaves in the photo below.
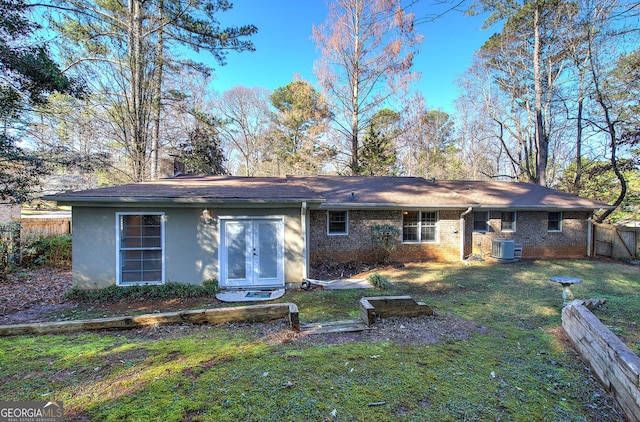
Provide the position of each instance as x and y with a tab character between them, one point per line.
33	288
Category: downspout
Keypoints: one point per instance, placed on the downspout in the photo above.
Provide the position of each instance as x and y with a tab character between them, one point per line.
462	231
589	235
305	246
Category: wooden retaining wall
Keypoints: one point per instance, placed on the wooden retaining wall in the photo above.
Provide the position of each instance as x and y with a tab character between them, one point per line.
615	365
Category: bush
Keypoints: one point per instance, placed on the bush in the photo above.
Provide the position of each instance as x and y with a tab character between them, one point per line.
52	251
9	247
380	281
385	239
169	290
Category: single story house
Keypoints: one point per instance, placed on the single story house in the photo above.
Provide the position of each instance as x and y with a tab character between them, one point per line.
263	232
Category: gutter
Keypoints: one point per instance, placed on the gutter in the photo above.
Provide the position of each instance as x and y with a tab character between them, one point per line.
462	231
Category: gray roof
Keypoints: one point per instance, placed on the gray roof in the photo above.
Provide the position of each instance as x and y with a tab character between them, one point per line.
351	192
197	189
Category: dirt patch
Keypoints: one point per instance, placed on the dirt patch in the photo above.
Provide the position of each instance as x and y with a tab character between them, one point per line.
437	328
333	271
37	295
31	295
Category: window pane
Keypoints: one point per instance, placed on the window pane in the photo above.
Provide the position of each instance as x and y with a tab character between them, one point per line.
430	218
480	219
555	221
410	226
508	221
267	242
337	221
428	234
237	249
141	248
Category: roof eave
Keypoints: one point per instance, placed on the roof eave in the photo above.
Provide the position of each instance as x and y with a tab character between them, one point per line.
87	201
369	206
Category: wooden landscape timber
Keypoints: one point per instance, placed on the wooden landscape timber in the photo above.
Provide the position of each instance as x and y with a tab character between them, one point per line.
252	313
372	308
615	365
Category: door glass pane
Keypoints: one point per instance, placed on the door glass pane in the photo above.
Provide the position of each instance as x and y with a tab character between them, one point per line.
236	250
268	248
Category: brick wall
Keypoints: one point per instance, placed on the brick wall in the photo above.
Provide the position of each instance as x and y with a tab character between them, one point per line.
358	245
531	231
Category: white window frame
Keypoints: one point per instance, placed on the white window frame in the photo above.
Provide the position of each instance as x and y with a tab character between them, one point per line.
119	216
436	225
486	221
514	222
346	223
560	218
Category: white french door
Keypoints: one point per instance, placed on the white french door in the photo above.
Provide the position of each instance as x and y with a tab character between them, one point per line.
251	252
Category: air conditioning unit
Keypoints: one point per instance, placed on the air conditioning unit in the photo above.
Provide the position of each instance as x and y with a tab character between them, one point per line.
517	251
503	249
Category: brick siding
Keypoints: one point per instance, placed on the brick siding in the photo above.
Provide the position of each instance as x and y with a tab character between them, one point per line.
531	231
358	245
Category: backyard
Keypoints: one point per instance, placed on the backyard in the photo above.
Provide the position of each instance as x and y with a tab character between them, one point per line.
495	350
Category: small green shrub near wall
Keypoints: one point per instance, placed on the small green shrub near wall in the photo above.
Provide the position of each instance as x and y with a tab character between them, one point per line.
54	251
165	291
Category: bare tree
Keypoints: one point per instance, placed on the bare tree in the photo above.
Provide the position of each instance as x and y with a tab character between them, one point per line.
367	56
246	120
527	60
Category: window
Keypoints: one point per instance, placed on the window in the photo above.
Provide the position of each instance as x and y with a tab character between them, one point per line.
554	222
419	226
481	221
508	220
140	240
337	222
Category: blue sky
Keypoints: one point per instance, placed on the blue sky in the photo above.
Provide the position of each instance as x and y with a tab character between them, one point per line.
284	47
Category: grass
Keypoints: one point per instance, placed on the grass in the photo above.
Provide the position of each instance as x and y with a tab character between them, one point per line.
519	369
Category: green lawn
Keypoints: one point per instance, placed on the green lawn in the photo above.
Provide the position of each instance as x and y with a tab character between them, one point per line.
518	368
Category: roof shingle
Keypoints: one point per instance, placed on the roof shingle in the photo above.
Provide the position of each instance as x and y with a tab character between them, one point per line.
338	191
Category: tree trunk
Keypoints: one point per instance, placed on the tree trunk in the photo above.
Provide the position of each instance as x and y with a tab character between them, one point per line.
355	95
578	179
542	140
614	142
157	94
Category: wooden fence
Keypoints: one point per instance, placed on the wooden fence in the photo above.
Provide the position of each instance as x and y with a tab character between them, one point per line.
616	241
46	226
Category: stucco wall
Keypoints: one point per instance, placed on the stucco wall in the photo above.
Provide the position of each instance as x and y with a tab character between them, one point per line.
191	246
531	232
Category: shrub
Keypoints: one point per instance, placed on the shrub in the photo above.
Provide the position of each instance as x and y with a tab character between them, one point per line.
385	239
169	290
380	281
9	247
47	251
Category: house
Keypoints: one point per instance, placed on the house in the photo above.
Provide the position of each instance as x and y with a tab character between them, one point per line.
9	212
267	232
